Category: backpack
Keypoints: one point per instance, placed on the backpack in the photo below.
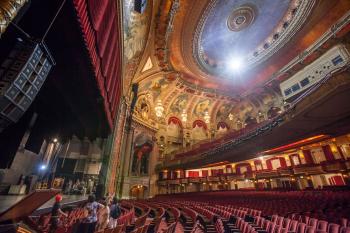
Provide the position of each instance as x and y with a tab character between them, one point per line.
115	211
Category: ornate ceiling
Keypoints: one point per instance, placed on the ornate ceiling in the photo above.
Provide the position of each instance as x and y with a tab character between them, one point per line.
184	64
245	30
201	42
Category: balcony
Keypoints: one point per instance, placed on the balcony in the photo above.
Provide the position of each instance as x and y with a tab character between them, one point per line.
266	174
308	169
333	166
318	102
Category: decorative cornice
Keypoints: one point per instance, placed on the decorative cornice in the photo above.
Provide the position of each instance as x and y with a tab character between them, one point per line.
138	123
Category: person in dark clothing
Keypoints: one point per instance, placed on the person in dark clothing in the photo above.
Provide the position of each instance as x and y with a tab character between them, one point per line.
115	212
56	212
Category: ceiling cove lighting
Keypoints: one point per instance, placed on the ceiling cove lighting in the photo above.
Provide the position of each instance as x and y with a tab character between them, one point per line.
296	144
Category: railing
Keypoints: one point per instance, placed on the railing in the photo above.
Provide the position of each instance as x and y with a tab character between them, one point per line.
308	169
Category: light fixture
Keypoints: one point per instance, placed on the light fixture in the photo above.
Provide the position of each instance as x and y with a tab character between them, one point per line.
206	117
55	140
235	64
230	117
184	115
159	108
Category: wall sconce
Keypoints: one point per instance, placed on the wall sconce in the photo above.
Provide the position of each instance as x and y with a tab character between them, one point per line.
159	108
184	115
206	117
230	117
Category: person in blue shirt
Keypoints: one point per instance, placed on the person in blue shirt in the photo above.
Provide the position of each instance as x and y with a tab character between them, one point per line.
91	219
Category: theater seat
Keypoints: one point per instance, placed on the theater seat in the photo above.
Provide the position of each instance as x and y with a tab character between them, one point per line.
301	228
313	222
322	226
345	230
310	229
333	228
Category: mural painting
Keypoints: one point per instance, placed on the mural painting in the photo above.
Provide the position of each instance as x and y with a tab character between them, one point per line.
223	111
179	104
143	108
155	86
202	107
136	29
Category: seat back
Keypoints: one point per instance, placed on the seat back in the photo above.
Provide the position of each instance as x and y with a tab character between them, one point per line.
118	229
157	222
271	227
279	221
293	226
144	229
108	230
286	223
265	224
313	222
274	218
304	219
345	230
333	228
322	225
219	226
301	228
344	222
310	229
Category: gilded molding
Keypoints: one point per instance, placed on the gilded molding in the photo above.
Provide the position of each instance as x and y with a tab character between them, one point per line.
8	11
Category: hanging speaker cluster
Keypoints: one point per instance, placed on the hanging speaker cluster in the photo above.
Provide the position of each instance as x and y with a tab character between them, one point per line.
22	74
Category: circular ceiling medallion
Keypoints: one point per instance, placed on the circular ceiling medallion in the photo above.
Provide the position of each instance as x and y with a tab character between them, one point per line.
241	18
252	30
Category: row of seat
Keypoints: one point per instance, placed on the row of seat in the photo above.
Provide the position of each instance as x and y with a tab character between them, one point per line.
324	205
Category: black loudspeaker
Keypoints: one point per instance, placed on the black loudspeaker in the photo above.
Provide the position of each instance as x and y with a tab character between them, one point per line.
22	74
140	6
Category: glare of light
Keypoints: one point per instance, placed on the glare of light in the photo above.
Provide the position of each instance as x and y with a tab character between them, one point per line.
55	140
235	64
43	167
230	117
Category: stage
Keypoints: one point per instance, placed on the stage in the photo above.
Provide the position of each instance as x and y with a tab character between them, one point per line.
7	201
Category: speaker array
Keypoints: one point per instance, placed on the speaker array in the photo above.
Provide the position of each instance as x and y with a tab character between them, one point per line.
22	74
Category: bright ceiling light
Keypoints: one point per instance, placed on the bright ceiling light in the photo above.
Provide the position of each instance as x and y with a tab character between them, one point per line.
235	64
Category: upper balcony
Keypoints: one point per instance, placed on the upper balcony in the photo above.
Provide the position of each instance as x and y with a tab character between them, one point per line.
322	109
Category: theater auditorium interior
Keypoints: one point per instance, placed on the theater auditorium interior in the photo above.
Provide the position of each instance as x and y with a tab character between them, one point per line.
175	116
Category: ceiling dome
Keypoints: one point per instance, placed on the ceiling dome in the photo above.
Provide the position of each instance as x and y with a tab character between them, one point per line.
245	30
